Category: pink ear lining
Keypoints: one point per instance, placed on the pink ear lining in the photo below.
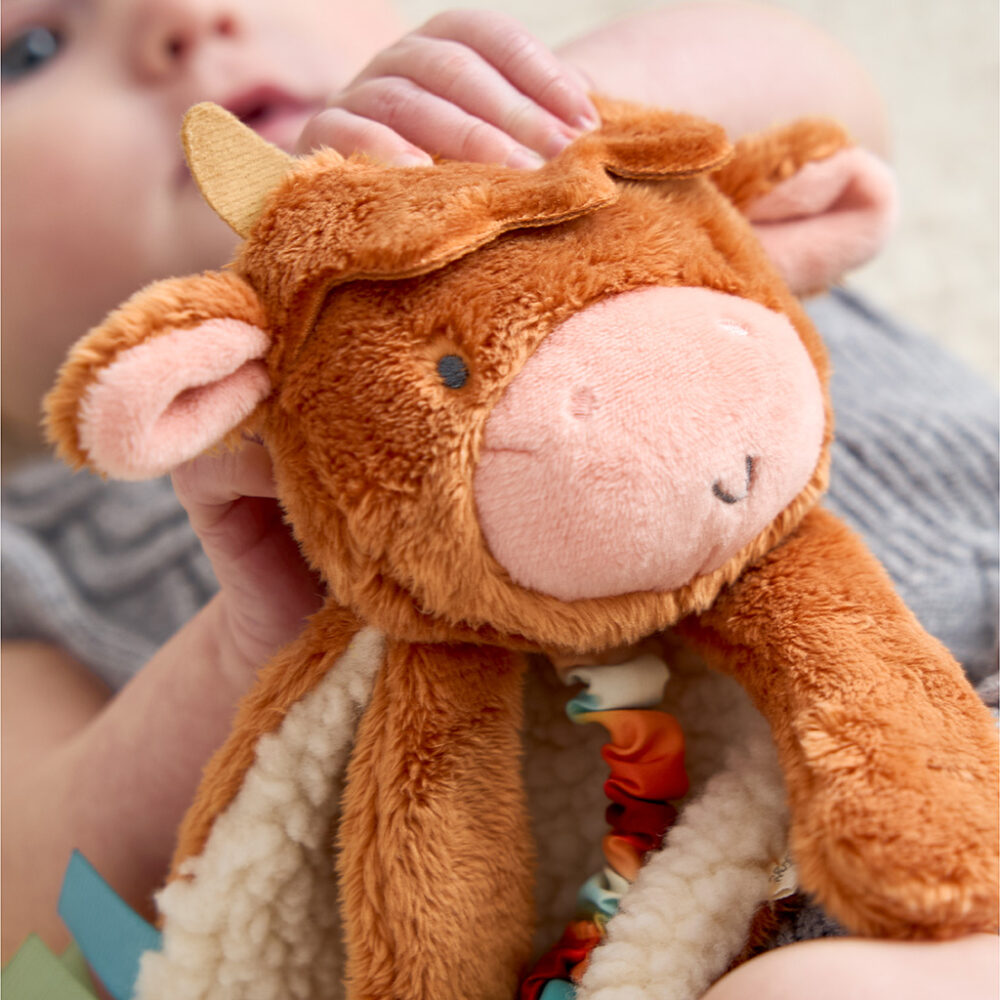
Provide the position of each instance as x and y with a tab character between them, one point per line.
831	216
168	399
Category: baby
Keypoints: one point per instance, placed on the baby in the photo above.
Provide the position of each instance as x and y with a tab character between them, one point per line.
93	93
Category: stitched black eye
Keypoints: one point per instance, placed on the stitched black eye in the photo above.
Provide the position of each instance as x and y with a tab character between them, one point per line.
453	370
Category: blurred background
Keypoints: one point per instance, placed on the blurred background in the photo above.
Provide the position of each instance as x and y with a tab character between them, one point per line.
936	63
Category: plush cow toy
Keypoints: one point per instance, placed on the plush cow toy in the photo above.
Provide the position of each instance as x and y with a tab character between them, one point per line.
563	411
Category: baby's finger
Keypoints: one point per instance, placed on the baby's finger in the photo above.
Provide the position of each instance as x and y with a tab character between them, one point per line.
521	58
208	485
346	132
435	124
460	75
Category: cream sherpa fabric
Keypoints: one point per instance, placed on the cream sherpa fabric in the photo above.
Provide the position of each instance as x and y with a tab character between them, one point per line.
258	919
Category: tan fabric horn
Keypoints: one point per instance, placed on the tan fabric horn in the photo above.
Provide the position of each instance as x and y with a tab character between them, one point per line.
234	168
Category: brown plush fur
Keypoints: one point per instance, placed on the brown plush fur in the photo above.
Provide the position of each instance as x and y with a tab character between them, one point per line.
493	309
435	848
889	757
364	277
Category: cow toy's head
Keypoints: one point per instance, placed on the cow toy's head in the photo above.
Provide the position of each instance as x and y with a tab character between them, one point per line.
563	407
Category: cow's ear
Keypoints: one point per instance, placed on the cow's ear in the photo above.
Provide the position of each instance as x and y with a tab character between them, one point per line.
164	377
653	143
819	205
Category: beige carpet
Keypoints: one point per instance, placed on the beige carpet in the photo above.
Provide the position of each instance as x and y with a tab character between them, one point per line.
936	63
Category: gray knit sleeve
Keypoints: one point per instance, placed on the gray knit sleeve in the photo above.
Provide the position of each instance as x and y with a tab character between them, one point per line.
108	571
915	470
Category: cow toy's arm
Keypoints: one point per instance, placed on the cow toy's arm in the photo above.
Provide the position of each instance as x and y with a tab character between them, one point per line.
890	759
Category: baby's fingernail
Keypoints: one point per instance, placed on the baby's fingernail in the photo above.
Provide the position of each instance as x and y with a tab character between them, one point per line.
558	142
412	160
587	122
524	159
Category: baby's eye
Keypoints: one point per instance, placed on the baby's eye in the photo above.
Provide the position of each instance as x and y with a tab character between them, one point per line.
29	51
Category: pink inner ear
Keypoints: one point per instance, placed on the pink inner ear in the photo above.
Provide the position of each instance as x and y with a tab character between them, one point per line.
168	399
833	215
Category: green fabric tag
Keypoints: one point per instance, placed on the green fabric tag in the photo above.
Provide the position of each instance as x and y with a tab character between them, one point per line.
76	965
34	973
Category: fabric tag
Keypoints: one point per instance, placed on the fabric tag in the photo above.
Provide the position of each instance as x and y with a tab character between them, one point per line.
637	683
783	880
111	935
34	973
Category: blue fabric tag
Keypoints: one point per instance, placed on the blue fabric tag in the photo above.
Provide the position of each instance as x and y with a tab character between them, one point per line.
111	935
584	702
558	989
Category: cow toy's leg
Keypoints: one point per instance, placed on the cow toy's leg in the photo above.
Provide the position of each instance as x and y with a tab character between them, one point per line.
435	848
889	756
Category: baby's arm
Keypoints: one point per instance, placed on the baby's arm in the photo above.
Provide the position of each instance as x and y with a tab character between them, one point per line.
859	969
743	65
113	776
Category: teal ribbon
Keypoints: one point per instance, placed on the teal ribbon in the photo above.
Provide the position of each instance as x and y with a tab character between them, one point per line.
595	897
582	704
111	935
558	989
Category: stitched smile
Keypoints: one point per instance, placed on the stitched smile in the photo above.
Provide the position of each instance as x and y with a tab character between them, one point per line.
725	497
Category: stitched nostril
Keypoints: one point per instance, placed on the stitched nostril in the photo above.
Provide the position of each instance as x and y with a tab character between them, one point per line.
582	402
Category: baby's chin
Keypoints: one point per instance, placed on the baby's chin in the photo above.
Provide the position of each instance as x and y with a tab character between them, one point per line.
196	239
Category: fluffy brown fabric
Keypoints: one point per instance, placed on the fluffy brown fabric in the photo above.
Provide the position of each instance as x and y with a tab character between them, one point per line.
761	161
364	277
889	756
435	855
491	308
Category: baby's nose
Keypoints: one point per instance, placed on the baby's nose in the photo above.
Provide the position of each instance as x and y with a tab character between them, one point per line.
167	33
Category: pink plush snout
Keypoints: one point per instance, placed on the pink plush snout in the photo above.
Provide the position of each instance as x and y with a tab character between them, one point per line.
648	439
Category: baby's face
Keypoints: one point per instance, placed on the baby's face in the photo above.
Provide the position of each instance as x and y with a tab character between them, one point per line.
96	199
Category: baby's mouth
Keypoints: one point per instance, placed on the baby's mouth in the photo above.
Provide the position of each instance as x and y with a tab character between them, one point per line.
272	112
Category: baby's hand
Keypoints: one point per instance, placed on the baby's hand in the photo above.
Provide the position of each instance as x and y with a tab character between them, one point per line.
469	85
266	588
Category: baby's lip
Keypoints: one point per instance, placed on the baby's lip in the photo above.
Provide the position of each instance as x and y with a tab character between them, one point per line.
272	112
